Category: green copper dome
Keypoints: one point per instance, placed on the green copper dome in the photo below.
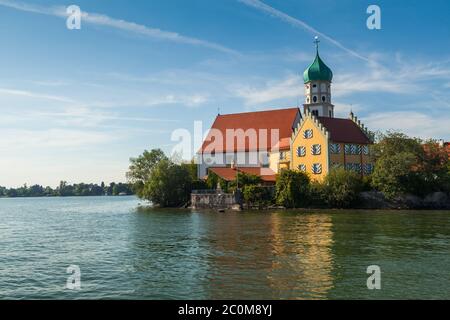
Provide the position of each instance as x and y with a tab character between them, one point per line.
318	70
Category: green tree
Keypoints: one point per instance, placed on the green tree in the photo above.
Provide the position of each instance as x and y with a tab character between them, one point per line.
407	165
243	180
2	191
141	168
393	174
213	180
292	189
169	184
434	168
341	188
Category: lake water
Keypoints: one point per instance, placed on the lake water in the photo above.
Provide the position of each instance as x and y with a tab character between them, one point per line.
127	253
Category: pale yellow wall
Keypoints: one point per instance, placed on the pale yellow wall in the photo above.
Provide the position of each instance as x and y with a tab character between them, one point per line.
318	138
276	164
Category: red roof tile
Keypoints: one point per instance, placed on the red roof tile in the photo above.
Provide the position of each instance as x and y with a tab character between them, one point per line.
284	144
263	122
229	174
344	130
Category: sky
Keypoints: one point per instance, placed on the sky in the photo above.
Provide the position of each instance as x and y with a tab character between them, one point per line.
75	105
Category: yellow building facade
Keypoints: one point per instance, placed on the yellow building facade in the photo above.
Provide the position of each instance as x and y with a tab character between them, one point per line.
322	142
314	151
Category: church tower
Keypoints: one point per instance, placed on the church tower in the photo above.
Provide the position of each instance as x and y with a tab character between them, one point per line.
317	80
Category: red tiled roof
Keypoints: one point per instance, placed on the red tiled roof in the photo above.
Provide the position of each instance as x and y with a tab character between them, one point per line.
284	144
344	130
282	120
229	174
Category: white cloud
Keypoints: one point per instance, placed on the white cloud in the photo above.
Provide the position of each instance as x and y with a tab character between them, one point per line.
87	117
376	77
412	123
342	110
289	87
14	140
299	24
34	95
106	21
188	100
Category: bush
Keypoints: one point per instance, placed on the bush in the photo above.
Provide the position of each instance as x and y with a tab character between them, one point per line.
199	185
257	196
316	194
292	189
341	188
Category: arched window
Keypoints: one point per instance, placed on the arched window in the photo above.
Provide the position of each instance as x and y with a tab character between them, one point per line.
324	99
315	99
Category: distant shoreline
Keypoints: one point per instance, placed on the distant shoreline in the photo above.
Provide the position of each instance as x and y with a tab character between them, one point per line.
93	196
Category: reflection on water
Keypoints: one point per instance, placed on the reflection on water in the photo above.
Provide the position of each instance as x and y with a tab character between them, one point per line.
125	253
271	259
304	262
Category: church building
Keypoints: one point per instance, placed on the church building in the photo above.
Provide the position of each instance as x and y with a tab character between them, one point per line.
311	140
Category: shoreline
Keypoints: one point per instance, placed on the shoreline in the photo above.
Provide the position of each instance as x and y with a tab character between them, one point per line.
96	196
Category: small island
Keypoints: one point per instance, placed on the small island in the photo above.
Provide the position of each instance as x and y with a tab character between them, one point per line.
292	158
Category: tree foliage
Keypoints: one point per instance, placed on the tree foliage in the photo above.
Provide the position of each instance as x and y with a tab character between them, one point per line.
141	168
169	184
408	165
292	189
341	188
257	196
243	180
68	190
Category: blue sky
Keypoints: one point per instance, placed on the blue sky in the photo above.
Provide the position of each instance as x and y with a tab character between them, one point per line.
77	104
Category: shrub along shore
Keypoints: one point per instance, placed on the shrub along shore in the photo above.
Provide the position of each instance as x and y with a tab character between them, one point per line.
408	173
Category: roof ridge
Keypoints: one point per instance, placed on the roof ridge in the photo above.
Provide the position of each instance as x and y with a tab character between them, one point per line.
262	111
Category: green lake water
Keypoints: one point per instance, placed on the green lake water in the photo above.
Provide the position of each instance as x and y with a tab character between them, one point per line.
127	253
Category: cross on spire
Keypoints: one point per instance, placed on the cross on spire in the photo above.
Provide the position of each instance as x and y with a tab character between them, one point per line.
317	41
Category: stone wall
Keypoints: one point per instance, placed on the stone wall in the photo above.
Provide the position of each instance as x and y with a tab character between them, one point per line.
213	200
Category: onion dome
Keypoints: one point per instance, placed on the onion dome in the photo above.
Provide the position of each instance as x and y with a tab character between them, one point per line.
318	70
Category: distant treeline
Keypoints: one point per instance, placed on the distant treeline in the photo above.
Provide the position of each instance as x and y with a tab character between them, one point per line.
67	190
